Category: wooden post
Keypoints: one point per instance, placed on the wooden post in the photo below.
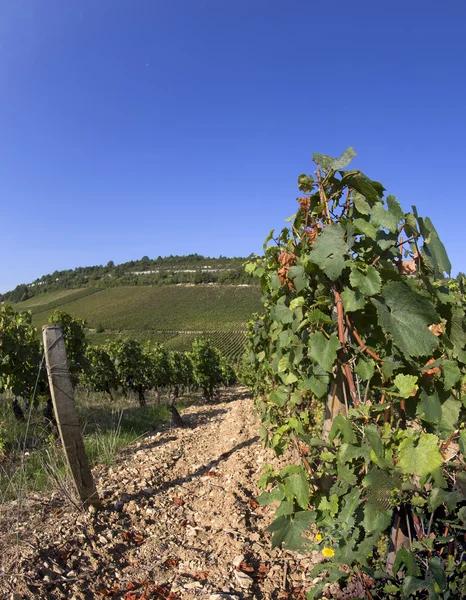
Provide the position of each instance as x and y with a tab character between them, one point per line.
61	390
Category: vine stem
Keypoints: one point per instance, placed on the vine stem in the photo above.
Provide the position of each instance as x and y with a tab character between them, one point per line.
302	455
398	244
362	345
341	337
323	197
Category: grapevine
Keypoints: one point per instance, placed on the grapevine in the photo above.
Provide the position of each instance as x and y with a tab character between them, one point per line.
357	365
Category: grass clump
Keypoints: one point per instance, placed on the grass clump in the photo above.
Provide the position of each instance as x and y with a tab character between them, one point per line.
32	458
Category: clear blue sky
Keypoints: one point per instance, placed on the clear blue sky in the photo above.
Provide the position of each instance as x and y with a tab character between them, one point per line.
156	127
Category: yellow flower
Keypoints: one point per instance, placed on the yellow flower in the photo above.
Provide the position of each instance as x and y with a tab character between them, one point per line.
318	537
328	552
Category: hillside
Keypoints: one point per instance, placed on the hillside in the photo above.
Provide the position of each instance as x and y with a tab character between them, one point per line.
172	315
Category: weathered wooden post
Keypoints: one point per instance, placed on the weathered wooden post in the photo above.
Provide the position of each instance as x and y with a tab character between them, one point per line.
61	390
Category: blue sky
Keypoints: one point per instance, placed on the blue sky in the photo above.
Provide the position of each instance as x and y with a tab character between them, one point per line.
150	127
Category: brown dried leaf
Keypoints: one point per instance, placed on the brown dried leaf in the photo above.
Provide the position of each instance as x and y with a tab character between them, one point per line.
131	586
407	267
161	592
253	503
286	259
262	571
432	371
172	562
304	204
178	501
213	474
201	576
283	275
243	566
133	536
436	329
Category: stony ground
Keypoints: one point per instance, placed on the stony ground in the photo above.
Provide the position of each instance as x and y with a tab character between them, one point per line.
180	521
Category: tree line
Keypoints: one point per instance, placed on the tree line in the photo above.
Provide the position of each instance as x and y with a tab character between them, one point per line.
167	270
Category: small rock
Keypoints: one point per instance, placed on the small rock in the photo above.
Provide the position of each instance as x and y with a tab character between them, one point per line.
244	580
16	597
148	491
192	585
92	509
119	505
238	560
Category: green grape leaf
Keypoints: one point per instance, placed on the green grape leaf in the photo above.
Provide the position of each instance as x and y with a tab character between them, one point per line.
285	508
437	570
371	190
352	300
362	206
385	240
283	364
406	384
327	162
422	459
433	248
267	239
342	425
289	378
429	408
297	487
298	275
287	530
462	442
282	314
319	381
451	409
456	330
329	251
365	369
278	397
277	494
388	219
368	282
406	315
395	208
451	374
323	351
315	315
305	183
365	227
297	302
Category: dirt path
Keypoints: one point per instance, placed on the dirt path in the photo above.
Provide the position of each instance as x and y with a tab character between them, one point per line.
180	522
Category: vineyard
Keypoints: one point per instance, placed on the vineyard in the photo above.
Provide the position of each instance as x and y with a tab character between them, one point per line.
190	308
172	315
356	358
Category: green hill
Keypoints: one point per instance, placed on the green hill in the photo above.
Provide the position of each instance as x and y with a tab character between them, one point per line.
172	315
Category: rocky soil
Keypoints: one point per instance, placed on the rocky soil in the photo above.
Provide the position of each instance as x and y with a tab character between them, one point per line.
180	521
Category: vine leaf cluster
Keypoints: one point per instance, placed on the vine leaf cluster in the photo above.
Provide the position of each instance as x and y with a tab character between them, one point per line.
357	365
